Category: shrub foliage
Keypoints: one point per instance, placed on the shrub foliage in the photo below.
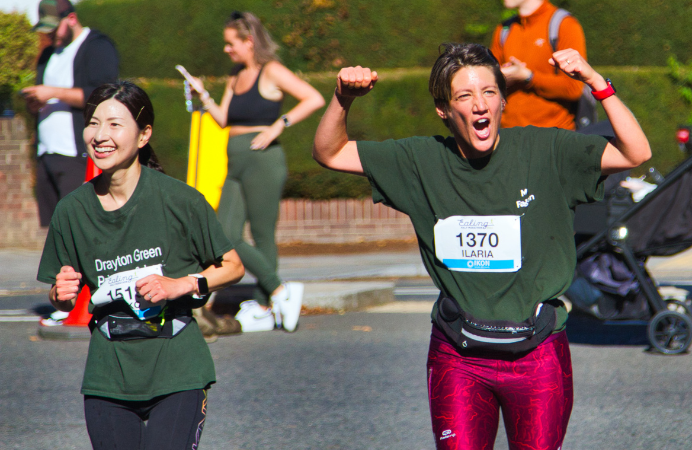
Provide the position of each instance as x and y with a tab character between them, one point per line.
18	49
155	35
682	76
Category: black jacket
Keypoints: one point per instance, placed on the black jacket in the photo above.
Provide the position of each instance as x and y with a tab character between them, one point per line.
95	63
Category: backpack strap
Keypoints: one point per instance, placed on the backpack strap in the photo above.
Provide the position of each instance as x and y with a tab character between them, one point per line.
506	25
554	26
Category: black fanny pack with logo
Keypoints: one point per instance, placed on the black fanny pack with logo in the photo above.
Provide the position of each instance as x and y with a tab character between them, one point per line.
494	337
121	326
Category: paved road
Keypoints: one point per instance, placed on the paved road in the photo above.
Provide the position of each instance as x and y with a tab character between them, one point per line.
352	381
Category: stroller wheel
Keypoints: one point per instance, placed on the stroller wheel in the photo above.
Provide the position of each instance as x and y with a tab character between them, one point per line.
677	305
670	332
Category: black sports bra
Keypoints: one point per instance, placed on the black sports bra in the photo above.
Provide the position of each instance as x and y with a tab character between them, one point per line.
251	109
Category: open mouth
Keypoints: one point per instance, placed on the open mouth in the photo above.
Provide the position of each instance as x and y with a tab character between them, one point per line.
482	127
102	152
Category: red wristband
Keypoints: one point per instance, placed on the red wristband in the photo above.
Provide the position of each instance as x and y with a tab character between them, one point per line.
605	93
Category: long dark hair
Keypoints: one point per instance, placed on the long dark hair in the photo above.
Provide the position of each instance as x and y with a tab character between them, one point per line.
137	102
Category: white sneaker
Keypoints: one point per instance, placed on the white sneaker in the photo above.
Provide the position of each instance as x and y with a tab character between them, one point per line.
288	303
55	319
277	315
253	317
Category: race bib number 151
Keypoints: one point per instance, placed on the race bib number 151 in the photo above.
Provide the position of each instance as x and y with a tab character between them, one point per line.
122	286
479	243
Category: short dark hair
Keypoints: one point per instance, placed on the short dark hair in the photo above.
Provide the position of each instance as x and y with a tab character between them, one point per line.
454	57
137	102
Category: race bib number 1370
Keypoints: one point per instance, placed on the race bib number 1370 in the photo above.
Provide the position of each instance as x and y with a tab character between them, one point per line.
479	243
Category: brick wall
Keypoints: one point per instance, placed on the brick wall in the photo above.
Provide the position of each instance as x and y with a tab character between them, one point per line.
340	221
19	226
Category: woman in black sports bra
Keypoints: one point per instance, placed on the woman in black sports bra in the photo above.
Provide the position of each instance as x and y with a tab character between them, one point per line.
251	106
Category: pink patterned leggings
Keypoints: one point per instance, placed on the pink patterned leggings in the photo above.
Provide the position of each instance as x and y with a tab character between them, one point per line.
466	394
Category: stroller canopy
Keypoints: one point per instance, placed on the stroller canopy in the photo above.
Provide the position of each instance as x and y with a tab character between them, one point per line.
662	225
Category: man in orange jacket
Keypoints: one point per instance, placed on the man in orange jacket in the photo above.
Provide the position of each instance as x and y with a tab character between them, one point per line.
537	93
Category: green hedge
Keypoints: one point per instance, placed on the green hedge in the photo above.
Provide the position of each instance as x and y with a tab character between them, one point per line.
654	99
682	75
155	35
400	106
18	48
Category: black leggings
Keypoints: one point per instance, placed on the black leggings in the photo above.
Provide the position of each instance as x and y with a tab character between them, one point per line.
168	422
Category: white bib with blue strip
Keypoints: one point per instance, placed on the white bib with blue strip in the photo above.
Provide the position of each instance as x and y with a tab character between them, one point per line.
479	243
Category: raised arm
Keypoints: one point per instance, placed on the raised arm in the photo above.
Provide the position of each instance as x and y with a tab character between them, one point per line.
630	147
332	148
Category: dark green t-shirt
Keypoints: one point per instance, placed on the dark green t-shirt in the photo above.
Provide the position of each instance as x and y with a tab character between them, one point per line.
539	174
164	222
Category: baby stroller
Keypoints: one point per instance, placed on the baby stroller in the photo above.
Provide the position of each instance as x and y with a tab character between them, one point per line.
614	239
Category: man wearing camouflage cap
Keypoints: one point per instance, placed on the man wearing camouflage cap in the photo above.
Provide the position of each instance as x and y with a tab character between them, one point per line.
78	61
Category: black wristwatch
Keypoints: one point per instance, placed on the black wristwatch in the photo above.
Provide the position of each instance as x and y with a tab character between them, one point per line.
202	285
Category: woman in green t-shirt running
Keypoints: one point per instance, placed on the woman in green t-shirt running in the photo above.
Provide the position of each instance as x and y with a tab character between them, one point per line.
493	213
150	249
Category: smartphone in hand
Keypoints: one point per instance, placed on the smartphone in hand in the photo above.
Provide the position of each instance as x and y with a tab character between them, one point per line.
196	85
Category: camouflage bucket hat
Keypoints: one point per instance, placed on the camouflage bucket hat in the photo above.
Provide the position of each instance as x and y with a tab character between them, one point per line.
50	13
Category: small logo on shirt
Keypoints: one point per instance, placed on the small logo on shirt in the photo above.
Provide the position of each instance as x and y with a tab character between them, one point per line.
524	201
539	42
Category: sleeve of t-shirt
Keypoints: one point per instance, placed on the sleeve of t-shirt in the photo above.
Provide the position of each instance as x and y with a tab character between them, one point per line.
55	255
578	159
390	171
209	243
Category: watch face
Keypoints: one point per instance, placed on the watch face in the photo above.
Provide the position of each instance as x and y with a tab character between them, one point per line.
202	286
610	83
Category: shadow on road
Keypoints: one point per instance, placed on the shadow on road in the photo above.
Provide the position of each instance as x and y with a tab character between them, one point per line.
228	300
584	329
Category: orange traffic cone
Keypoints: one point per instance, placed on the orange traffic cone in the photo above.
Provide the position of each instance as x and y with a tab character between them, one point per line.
79	316
91	170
